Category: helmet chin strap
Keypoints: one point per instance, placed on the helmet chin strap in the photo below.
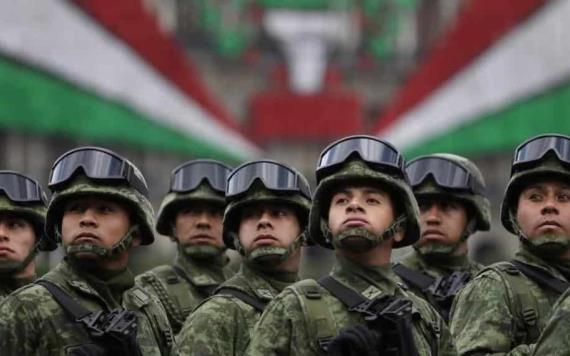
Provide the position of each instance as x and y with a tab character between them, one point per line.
10	268
548	246
438	249
99	251
359	239
200	251
270	255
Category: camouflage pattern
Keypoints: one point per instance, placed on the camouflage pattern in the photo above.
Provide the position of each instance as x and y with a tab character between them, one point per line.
488	314
8	285
83	186
172	202
223	324
33	323
353	172
283	328
550	167
554	340
256	194
436	269
180	288
479	204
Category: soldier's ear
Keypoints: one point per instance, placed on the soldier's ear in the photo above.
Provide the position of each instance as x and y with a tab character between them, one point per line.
399	236
136	237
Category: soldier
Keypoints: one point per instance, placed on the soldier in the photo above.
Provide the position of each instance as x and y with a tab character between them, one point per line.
88	305
268	206
22	218
191	214
363	207
450	191
504	309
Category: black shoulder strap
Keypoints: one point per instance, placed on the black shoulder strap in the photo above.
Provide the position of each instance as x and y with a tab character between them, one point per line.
206	291
541	277
67	303
413	277
257	303
346	295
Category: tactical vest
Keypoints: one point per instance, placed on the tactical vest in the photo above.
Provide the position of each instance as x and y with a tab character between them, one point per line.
98	323
519	277
321	325
170	284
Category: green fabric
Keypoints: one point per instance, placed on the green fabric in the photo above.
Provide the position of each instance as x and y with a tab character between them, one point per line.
486	316
8	284
505	129
284	330
554	340
179	295
223	324
32	322
41	104
438	267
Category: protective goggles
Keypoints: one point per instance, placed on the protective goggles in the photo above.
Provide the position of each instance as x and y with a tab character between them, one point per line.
98	164
21	189
189	175
536	148
370	149
274	176
446	173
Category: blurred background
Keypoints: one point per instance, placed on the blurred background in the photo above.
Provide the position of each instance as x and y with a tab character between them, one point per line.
165	81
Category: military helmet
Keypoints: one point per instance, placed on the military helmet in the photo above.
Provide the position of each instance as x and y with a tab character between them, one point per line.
365	159
444	174
24	196
263	181
87	171
539	156
199	180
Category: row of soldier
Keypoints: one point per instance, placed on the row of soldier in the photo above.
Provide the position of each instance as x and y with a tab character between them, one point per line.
367	202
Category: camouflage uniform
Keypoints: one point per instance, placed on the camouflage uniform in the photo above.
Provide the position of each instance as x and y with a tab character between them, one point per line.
286	329
436	260
182	286
305	317
438	269
34	212
554	339
33	322
9	284
503	310
223	323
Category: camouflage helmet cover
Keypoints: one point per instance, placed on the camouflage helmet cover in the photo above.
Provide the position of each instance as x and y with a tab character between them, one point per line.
478	203
550	166
355	171
258	193
36	213
139	205
174	201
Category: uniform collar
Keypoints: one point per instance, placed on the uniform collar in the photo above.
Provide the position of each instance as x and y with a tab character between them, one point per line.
204	272
370	281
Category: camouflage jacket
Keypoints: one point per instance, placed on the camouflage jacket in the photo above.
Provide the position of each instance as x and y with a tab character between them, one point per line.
288	325
181	287
502	311
8	285
554	340
32	322
440	271
222	324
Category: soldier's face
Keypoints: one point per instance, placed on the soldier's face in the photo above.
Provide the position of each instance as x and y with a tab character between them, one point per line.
544	209
268	225
442	220
360	207
17	237
94	220
199	224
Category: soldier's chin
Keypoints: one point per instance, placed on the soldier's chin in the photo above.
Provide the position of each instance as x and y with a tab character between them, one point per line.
356	244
